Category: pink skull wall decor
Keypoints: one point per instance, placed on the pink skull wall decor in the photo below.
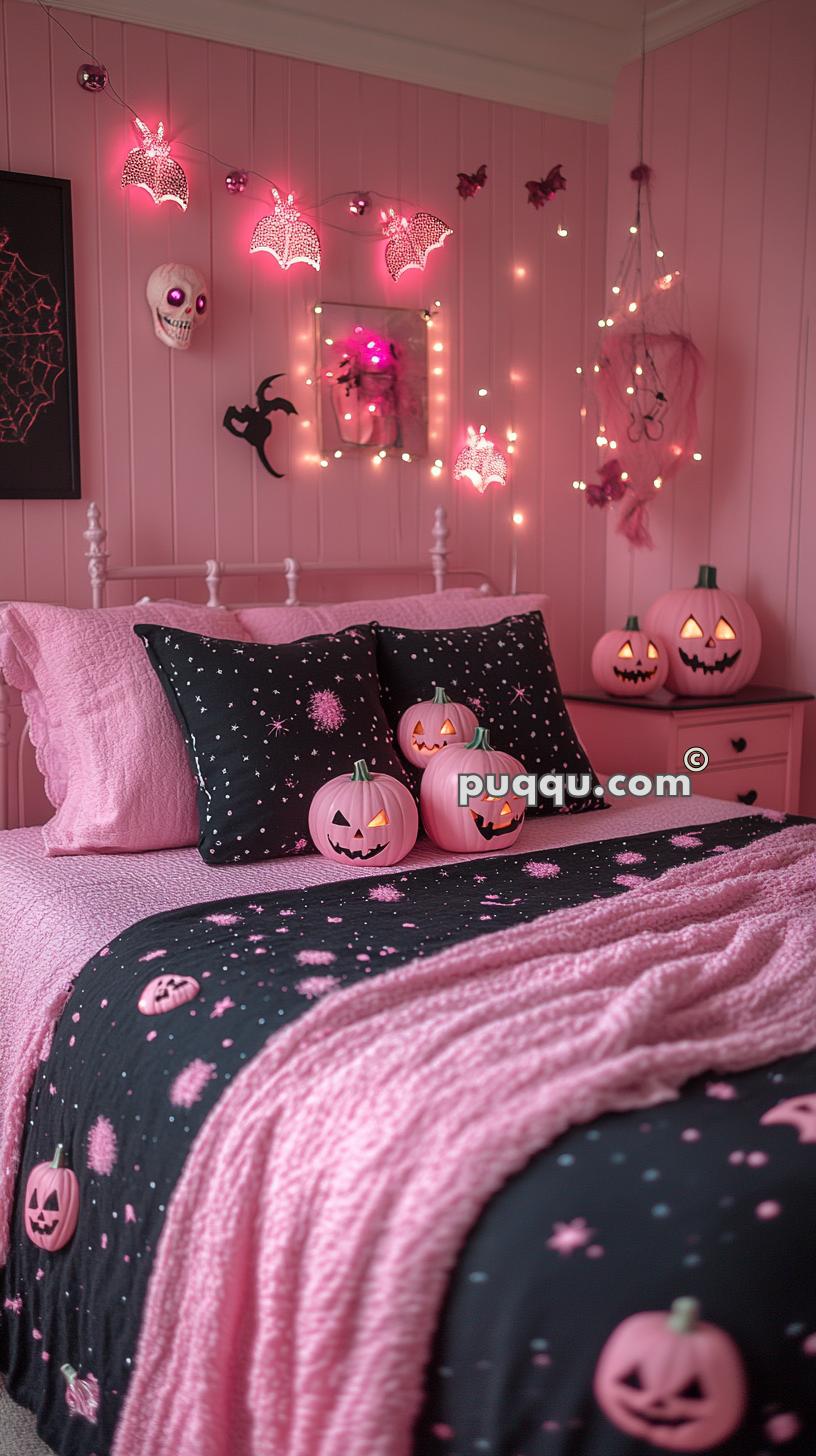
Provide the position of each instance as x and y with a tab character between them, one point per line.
179	300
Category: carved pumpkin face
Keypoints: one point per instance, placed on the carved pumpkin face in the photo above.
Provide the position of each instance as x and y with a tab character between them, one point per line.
426	728
51	1203
363	818
167	992
712	637
487	821
673	1381
629	663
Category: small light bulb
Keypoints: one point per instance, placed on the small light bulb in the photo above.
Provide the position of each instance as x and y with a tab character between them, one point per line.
610	323
520	271
633	307
582	411
601	323
309	381
582	485
518	518
613	444
658	481
372	409
697	455
575	485
630	389
438	370
347	415
624	475
375	460
330	374
438	347
596	369
512	435
638	369
338	454
382	454
511	449
578	369
324	462
616	288
435	470
562	231
406	457
481	393
305	424
659	253
601	440
633	229
439	464
483	429
329	342
437	303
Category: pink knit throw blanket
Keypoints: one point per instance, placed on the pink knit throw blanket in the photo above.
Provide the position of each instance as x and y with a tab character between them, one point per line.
306	1249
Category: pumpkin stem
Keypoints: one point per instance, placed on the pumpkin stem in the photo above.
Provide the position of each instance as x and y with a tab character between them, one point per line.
707	576
480	739
69	1373
440	696
632	625
360	771
58	1160
684	1316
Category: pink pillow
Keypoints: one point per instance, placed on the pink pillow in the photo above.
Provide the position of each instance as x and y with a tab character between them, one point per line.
460	607
107	744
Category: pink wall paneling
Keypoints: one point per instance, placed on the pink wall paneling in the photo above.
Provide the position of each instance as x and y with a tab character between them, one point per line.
517	301
731	135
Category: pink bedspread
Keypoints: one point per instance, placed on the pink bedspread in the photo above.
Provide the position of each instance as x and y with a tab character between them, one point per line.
333	1184
56	913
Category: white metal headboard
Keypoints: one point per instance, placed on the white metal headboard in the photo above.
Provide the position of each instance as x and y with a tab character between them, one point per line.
22	797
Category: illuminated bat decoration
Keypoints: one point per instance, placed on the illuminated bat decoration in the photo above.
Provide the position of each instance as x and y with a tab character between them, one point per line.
480	462
410	242
285	235
151	166
540	192
471	182
254	418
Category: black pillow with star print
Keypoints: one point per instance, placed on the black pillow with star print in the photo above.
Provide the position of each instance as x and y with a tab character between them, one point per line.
505	672
265	726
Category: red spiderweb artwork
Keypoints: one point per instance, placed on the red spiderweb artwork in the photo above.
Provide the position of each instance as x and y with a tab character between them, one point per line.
32	343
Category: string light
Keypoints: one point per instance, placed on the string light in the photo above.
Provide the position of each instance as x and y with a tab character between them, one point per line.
562	231
578	369
479	461
150	166
481	393
285	235
518	518
318	308
410	241
406	457
324	462
697	456
338	454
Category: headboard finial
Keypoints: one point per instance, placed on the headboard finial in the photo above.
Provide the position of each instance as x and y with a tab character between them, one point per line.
96	555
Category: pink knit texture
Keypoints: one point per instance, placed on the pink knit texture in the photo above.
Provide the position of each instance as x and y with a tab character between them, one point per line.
308	1242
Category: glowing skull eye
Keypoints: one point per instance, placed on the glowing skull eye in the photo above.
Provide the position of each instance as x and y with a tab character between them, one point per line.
176	297
651	650
418	728
379	821
724	631
447	728
201	304
626	650
691	628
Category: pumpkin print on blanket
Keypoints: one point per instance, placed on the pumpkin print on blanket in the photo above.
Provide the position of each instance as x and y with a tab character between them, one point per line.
51	1203
426	728
165	993
363	817
674	1381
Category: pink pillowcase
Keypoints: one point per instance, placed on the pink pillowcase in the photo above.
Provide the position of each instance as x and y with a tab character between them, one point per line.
460	607
105	738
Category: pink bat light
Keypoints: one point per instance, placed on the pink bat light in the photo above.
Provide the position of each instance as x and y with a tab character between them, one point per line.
151	166
410	241
480	462
285	235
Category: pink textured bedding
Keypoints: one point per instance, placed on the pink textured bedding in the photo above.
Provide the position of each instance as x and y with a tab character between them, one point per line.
56	913
332	1233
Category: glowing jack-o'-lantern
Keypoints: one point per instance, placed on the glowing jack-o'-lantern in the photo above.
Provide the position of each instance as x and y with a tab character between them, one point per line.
712	637
363	817
629	663
673	1381
426	728
51	1203
166	992
488	820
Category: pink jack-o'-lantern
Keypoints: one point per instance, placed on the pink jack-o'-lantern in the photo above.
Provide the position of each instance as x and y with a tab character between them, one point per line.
426	728
712	637
166	992
364	817
488	820
81	1394
628	662
673	1381
51	1204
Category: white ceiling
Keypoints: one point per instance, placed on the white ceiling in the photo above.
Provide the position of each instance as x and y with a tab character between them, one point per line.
560	56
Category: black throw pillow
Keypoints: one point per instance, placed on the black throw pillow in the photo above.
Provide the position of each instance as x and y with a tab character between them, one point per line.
505	672
265	726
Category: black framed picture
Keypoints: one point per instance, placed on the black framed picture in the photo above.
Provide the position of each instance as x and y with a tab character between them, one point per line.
39	425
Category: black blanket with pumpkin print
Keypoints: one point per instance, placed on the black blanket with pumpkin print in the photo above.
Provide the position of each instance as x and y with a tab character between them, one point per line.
704	1198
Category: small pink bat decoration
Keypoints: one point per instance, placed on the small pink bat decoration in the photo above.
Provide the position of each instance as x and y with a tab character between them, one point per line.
471	182
410	242
150	166
541	191
285	235
610	488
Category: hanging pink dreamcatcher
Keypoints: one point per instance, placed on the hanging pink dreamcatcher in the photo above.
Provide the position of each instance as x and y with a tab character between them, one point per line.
646	378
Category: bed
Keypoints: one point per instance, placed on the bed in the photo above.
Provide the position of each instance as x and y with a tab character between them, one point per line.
689	1187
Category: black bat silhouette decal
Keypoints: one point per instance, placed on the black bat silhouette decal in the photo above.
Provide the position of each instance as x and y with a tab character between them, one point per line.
256	422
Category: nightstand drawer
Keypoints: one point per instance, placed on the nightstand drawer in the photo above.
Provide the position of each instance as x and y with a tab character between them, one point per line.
764	781
737	739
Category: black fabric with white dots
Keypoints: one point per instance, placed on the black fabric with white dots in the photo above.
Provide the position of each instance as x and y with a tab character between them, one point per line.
503	671
697	1197
265	726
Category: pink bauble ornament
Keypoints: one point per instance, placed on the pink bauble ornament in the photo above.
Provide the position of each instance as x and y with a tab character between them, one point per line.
712	637
488	820
51	1204
628	662
166	992
363	817
673	1381
426	728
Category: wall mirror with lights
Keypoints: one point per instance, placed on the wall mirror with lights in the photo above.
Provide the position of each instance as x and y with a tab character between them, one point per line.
372	378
